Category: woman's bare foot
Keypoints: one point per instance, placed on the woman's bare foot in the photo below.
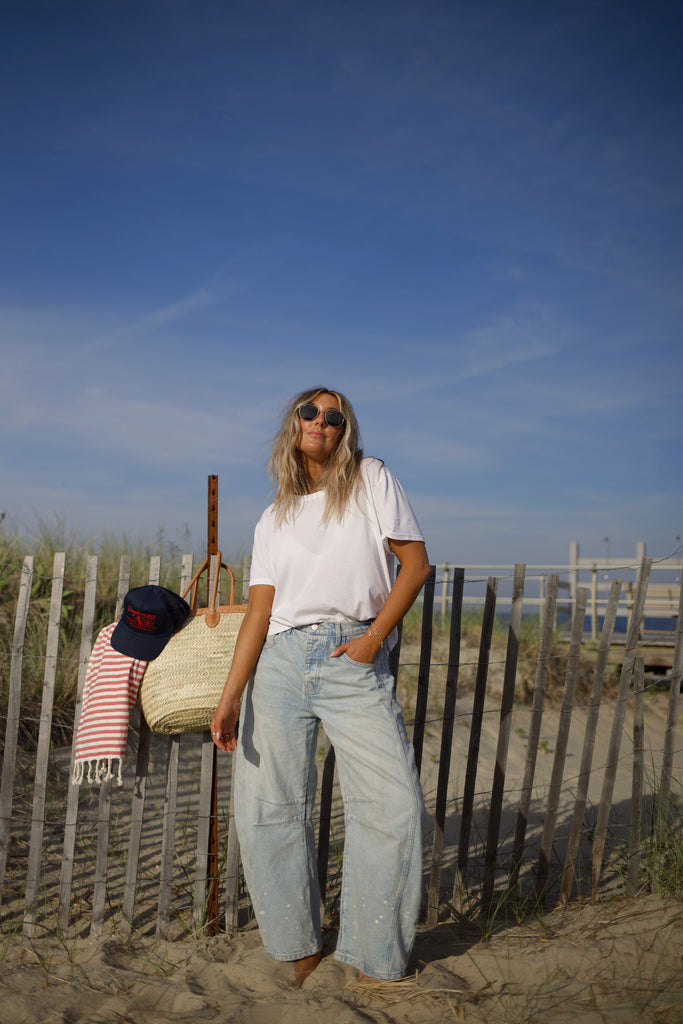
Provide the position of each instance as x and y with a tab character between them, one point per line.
306	966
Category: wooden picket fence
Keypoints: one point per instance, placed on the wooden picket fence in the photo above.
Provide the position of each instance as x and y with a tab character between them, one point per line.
77	859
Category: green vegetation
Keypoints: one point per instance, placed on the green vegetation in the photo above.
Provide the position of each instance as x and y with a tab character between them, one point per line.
43	546
527	657
660	851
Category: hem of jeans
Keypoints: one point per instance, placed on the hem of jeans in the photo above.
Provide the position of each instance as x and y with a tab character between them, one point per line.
289	957
354	961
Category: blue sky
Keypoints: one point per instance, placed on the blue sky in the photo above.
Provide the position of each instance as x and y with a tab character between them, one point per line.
466	216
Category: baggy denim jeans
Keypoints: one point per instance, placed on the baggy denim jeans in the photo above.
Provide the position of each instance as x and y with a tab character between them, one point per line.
297	684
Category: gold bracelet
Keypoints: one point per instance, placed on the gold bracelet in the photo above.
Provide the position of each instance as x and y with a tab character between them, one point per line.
372	628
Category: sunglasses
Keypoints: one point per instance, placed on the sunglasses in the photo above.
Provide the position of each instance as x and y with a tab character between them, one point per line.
332	417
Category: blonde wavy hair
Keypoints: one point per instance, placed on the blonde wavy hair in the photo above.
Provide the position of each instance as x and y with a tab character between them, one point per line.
341	474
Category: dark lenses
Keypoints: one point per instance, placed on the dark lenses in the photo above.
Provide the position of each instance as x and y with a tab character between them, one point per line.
308	412
332	417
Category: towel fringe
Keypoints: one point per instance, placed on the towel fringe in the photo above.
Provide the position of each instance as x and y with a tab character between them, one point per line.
97	770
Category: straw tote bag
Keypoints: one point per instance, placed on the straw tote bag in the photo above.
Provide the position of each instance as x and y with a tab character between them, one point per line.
181	688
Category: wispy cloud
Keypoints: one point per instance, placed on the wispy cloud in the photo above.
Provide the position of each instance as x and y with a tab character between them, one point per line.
522	336
158	432
207	294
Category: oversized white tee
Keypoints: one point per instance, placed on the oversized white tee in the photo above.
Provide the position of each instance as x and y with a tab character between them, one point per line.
334	571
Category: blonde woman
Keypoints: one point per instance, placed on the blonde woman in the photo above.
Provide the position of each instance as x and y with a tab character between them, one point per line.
322	613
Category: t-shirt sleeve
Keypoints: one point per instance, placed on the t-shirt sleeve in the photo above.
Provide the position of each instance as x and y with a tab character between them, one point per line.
396	518
262	570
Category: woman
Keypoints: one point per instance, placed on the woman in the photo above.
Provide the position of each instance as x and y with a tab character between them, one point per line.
322	610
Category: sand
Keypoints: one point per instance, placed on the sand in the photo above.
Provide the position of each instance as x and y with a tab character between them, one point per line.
614	961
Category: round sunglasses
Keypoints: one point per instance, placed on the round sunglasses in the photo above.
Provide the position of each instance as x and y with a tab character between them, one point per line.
332	417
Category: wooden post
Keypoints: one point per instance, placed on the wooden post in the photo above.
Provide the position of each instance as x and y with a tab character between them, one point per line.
9	761
212	517
594	603
446	570
618	721
446	745
635	831
200	914
672	715
589	742
137	811
540	684
68	854
43	752
573	576
498	789
561	744
170	805
168	836
212	911
474	742
99	898
232	859
423	672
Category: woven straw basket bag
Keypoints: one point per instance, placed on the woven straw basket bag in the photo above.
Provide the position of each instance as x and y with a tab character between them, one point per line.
181	688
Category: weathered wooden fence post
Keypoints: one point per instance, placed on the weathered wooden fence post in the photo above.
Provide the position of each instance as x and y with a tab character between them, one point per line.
446	746
104	809
561	743
672	715
73	790
548	621
589	743
9	761
43	751
460	882
170	805
635	831
232	860
498	790
424	668
618	721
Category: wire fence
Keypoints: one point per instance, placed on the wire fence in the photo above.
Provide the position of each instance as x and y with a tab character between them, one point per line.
535	798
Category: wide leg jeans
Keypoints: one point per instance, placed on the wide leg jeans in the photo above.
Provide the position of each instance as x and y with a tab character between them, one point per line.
297	684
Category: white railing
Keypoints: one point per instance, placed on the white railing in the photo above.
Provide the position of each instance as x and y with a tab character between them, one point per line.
595	573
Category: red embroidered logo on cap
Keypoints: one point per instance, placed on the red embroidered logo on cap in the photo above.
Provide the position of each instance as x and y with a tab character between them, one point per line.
141	620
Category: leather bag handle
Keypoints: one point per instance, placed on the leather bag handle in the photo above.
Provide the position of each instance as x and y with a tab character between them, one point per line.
212	615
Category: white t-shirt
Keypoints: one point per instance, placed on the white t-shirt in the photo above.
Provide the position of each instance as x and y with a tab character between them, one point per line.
334	571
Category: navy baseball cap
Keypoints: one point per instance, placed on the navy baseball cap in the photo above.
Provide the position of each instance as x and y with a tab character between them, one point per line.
150	617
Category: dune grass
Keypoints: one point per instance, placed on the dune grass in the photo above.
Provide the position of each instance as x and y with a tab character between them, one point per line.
527	657
43	545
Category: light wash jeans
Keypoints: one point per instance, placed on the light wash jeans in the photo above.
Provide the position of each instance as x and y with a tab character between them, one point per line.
297	684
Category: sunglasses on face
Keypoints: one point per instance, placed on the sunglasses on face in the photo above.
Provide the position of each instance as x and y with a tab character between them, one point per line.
332	417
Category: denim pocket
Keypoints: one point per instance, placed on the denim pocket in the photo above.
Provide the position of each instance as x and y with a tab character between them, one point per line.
371	676
358	664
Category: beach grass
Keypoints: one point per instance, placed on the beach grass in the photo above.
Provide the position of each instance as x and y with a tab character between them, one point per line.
470	634
43	544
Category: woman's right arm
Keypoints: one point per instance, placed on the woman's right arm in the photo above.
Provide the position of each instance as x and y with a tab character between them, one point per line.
247	650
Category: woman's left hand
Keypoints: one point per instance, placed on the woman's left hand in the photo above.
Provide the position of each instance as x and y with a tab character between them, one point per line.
223	725
414	572
362	648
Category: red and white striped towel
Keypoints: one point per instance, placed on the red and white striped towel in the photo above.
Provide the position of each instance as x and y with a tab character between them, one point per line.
111	688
